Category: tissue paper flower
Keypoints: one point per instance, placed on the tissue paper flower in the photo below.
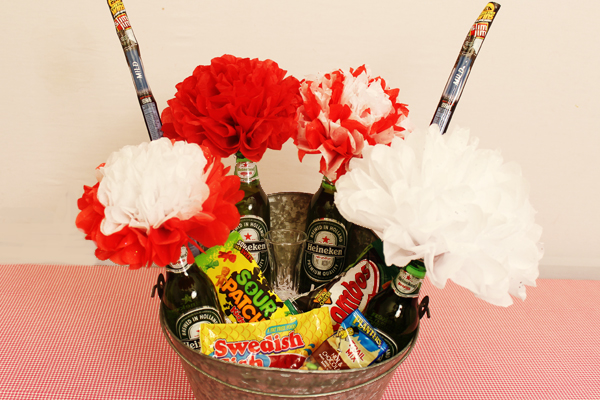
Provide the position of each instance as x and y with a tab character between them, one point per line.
461	209
341	112
152	199
234	104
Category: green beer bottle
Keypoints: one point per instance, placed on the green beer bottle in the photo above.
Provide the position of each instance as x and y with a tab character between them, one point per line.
395	311
189	299
327	232
255	213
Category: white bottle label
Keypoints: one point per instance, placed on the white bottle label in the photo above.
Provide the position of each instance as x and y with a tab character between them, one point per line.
325	249
181	265
247	171
187	327
406	285
253	228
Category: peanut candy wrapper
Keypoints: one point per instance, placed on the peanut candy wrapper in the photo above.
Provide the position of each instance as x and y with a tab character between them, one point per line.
278	343
356	344
242	289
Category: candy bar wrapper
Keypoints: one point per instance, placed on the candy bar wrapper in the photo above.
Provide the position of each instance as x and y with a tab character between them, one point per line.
278	343
356	344
352	289
242	289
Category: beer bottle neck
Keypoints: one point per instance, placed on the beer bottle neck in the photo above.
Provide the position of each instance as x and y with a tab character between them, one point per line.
408	281
246	170
181	265
327	185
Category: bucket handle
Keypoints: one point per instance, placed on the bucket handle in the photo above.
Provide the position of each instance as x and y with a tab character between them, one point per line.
424	307
159	287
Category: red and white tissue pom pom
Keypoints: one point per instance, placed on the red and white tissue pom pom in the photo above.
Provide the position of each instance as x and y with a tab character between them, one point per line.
462	210
342	112
152	199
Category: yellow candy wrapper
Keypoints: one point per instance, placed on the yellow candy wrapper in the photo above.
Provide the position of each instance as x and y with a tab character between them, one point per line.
278	343
243	291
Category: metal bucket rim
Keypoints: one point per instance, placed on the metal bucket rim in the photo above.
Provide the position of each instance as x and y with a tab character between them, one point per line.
394	360
289	193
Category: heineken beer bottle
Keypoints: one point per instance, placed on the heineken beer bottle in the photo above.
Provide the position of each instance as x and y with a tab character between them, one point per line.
254	213
189	299
327	233
394	312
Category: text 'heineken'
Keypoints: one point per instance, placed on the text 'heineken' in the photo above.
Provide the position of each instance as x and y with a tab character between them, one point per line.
189	300
254	213
394	312
327	239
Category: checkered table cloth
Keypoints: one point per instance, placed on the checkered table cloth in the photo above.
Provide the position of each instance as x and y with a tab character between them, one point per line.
92	332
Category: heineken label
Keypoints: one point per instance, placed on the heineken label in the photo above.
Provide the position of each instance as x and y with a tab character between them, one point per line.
181	265
406	285
325	249
187	327
253	228
247	171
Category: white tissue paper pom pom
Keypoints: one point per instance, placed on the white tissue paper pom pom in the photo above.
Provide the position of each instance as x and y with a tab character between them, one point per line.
462	210
143	186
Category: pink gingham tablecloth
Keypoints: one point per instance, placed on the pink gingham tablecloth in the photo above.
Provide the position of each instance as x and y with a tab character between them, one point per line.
92	332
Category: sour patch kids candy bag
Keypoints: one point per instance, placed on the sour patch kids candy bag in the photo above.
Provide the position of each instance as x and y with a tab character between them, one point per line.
244	293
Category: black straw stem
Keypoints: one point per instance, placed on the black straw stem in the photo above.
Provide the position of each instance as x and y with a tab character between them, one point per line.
134	60
462	67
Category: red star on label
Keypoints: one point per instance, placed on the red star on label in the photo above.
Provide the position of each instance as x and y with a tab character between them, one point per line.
248	236
325	239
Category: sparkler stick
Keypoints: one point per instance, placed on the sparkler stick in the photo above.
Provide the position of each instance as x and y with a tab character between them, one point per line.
134	60
462	67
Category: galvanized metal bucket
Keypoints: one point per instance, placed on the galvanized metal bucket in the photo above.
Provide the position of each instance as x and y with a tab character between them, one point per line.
213	379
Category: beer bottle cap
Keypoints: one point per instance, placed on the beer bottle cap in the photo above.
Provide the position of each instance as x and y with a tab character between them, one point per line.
417	269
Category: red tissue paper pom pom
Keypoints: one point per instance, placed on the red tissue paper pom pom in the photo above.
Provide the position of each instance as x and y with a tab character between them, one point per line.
234	104
140	219
343	111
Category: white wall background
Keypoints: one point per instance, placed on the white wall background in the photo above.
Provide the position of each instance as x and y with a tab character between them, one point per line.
68	101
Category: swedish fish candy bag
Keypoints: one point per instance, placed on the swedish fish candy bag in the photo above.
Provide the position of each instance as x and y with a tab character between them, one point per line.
244	293
278	343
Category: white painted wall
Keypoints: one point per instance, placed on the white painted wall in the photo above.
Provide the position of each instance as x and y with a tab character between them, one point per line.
68	101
